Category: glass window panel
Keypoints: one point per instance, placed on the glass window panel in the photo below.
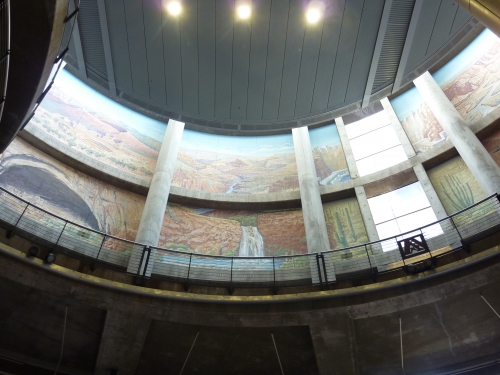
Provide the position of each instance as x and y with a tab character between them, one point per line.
374	142
381	208
367	124
416	220
408	199
388	229
382	160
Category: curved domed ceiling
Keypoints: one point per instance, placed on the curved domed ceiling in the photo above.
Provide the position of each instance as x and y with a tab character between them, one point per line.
269	72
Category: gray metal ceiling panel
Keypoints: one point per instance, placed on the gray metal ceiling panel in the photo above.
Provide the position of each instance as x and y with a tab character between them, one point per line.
241	61
172	58
275	58
224	59
189	56
461	18
206	45
154	50
91	37
119	45
348	38
137	48
365	45
332	25
308	68
443	25
258	59
293	57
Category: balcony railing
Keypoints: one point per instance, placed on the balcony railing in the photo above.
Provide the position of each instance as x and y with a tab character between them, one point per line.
413	251
4	50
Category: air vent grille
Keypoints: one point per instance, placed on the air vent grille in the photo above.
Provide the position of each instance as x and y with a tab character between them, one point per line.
91	36
394	41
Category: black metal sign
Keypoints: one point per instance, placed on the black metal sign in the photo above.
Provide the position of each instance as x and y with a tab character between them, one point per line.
413	246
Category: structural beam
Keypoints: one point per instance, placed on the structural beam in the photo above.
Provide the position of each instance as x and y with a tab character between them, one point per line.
107	46
377	52
410	37
78	43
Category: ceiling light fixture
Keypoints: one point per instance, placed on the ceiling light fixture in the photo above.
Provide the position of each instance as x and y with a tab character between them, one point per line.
244	11
313	15
174	8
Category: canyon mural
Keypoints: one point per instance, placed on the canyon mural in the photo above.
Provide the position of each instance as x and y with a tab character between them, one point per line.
236	164
85	123
471	81
344	223
455	185
63	191
329	159
233	233
418	121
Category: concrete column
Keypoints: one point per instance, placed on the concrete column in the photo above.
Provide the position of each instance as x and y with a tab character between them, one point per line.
485	11
479	161
346	146
398	128
122	341
366	214
156	201
312	207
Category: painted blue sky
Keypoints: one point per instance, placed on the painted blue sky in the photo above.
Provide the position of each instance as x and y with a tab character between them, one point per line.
93	101
237	145
407	103
324	136
466	58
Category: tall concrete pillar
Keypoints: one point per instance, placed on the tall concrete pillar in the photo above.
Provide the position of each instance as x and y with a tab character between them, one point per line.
479	161
312	208
156	201
346	146
485	11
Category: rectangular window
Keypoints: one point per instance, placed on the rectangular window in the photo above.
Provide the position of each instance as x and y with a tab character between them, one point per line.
374	143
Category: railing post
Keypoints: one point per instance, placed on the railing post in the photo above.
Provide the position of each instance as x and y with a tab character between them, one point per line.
138	279
231	278
186	286
319	271
60	235
275	290
322	256
93	265
9	232
374	270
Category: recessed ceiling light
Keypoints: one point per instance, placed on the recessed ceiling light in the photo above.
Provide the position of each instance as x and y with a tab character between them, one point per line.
174	8
313	15
244	11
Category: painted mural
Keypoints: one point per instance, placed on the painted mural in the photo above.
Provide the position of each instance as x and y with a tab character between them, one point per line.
233	233
236	164
492	144
471	80
344	223
329	159
49	184
418	121
90	124
455	185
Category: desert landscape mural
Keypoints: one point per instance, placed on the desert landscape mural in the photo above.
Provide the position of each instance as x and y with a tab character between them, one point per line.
63	191
75	115
329	159
233	233
471	80
344	223
455	185
236	164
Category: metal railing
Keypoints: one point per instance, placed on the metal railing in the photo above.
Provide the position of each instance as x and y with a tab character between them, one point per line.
4	50
413	251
